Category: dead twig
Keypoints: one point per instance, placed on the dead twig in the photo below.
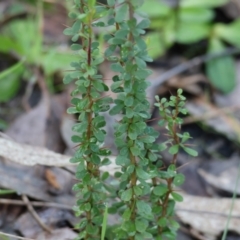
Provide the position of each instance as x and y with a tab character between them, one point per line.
34	214
212	114
190	64
35	203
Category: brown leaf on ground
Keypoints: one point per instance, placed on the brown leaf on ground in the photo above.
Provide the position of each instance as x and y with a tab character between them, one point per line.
52	179
221	121
30	181
30	127
41	125
30	156
209	215
222	175
59	234
187	83
51	217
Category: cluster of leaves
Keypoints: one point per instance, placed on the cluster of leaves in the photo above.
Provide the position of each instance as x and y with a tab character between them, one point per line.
144	195
23	40
90	136
189	22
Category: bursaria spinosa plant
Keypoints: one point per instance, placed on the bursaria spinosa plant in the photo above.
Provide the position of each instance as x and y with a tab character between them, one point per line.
144	196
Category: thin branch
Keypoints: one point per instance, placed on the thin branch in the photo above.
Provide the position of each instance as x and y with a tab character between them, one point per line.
35	203
34	213
209	115
190	64
206	212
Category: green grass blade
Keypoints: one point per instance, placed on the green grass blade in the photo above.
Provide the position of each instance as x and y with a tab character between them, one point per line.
232	204
6	191
104	224
11	69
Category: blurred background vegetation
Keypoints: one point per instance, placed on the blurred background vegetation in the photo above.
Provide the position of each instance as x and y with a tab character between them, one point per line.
195	45
31	40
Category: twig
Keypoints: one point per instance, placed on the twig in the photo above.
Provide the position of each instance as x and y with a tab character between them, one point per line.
190	64
17	237
27	94
34	214
35	203
209	115
206	212
193	232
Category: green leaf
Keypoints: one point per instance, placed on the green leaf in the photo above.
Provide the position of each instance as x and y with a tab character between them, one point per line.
160	190
104	224
75	47
132	132
129	113
162	222
173	149
122	160
3	125
72	110
92	229
174	224
144	23
228	32
202	3
116	41
144	209
179	179
148	139
76	27
8	44
190	151
76	139
130	169
152	157
142	174
141	225
116	109
127	195
98	85
121	13
96	159
6	191
72	15
177	197
10	81
68	31
137	190
195	15
117	67
135	150
129	101
127	86
221	71
191	32
105	176
116	85
156	46
121	33
50	65
129	227
127	214
155	8
91	3
111	3
105	162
